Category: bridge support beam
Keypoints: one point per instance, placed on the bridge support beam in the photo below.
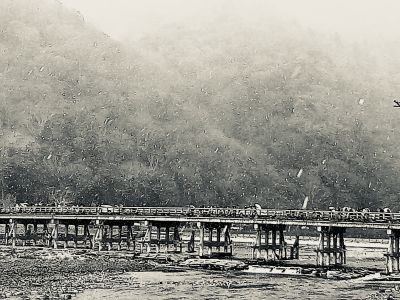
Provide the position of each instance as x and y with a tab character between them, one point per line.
220	230
46	236
6	233
11	233
130	238
191	244
108	236
294	250
29	234
26	233
271	239
163	237
98	238
35	233
76	236
54	234
331	250
87	237
393	252
66	237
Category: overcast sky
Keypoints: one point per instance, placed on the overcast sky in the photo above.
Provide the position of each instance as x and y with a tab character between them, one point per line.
131	19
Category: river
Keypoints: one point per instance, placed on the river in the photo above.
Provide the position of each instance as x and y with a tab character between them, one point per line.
239	285
194	284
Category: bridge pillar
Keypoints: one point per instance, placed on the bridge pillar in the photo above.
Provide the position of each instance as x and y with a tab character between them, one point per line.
54	234
158	238
35	233
147	238
201	242
191	245
25	233
11	233
220	229
87	237
46	237
13	226
294	250
177	240
274	241
119	237
130	238
393	252
98	238
30	232
76	236
108	236
331	249
65	238
6	233
163	236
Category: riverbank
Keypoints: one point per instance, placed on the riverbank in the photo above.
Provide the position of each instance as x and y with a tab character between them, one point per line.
36	273
43	273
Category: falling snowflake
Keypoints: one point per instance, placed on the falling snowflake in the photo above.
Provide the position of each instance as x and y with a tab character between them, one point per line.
300	172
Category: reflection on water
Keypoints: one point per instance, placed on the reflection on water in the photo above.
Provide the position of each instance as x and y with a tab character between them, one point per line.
203	285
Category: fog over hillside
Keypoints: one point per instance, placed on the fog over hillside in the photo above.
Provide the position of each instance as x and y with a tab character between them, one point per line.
213	104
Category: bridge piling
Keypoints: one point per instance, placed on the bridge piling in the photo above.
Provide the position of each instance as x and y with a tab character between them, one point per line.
274	241
209	228
130	238
46	235
219	239
393	252
108	236
87	237
158	238
54	234
163	238
201	242
191	244
65	237
6	233
228	246
13	232
210	239
167	239
35	232
25	225
76	236
98	236
331	249
119	237
294	250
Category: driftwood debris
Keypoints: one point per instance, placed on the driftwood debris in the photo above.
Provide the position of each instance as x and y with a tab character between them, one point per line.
214	264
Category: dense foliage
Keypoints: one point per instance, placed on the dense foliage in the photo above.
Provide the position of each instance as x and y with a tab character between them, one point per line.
226	115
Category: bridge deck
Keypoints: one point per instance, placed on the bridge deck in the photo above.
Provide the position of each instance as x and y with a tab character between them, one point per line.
374	220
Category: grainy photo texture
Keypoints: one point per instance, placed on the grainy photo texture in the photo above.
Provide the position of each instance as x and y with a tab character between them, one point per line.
199	149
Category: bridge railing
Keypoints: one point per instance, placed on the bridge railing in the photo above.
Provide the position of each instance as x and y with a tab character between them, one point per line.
273	214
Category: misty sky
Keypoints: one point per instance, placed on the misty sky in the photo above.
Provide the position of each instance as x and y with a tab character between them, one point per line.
131	19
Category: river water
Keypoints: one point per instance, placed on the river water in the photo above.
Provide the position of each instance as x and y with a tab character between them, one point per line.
193	284
238	285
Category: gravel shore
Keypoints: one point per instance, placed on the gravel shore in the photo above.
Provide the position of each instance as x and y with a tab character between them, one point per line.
43	273
60	274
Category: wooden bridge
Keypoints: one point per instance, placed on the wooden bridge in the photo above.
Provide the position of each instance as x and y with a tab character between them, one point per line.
160	229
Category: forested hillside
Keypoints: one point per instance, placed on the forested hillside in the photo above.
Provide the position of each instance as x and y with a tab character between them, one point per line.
229	114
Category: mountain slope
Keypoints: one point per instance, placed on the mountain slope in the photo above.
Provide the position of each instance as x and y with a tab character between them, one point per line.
224	115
